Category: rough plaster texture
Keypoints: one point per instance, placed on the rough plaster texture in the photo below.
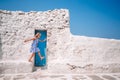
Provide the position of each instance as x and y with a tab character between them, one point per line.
66	53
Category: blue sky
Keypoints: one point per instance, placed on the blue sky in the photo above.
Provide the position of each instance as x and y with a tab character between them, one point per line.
94	18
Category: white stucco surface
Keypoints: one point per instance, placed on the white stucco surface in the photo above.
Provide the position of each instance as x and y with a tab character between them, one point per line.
66	53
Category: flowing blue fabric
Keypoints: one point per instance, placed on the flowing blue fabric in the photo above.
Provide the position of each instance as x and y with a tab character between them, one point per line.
34	46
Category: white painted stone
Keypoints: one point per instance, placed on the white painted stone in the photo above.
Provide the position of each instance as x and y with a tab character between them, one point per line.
16	66
66	53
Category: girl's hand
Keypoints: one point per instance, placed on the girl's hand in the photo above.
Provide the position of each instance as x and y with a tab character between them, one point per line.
44	40
25	40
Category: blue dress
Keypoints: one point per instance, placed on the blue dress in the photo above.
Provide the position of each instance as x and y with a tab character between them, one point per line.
34	46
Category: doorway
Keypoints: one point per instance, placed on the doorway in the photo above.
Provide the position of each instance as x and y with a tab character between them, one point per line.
42	46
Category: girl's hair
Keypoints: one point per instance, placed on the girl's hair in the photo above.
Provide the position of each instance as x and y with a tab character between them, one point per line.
37	34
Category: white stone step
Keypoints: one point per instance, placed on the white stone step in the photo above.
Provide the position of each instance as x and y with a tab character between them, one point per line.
15	66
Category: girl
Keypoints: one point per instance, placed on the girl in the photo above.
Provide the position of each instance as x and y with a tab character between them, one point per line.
34	46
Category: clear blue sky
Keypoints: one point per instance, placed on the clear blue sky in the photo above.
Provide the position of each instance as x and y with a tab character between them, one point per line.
94	18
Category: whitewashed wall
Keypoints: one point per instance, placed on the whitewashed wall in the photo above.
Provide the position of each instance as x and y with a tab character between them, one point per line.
66	53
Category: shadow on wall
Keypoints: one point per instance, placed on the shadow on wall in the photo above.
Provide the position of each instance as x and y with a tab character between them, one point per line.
1	53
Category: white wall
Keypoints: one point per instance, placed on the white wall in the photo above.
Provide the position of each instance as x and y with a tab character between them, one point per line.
66	53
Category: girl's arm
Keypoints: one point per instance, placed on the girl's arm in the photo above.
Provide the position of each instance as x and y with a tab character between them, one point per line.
29	39
42	40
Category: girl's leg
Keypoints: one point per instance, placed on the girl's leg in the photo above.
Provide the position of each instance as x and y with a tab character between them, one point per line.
31	57
41	57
